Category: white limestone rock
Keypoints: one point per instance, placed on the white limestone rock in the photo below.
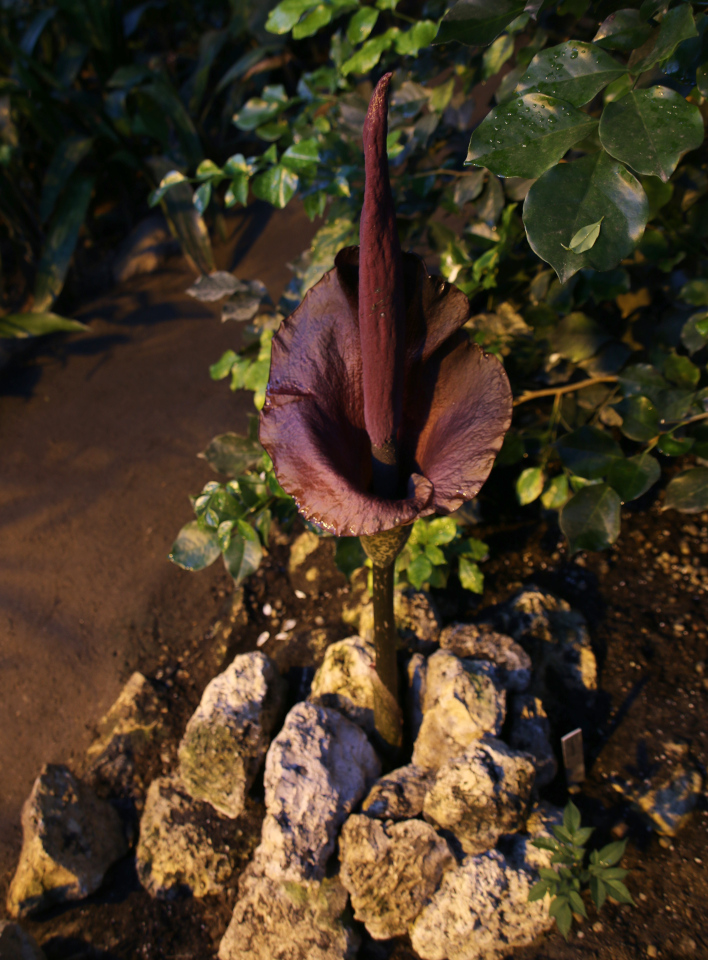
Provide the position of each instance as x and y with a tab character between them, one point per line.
318	768
462	703
530	732
125	736
228	735
18	944
481	794
399	795
417	620
286	920
541	819
184	844
69	839
347	681
390	871
480	912
479	642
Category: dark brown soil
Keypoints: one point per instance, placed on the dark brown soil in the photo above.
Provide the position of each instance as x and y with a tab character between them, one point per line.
85	539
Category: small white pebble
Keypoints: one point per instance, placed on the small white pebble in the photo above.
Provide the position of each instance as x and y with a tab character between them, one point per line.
319	621
652	951
281	636
262	638
300	595
698	860
267	609
581	935
597	927
289	625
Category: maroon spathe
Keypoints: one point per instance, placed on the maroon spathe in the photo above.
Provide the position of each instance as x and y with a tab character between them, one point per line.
344	378
381	303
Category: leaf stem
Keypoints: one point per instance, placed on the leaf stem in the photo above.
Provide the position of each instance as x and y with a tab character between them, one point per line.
558	391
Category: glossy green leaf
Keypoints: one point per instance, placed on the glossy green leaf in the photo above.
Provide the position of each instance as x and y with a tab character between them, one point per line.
677	25
23	325
688	493
302	157
168	181
256	112
202	196
563	916
576	903
590	520
556	493
232	454
631	478
369	54
66	158
478	22
361	24
237	191
651	130
496	55
409	42
672	446
419	571
694	335
440	530
681	371
571	195
571	817
640	419
471	577
695	292
585	238
612	853
60	242
314	21
195	547
529	485
618	891
284	17
578	337
525	136
539	890
588	452
277	186
572	71
186	222
623	30
244	554
598	891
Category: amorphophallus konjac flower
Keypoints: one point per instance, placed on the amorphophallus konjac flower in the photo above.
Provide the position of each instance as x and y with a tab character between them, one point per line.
379	409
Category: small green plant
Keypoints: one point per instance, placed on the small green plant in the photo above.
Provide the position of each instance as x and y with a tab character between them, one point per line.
433	548
564	884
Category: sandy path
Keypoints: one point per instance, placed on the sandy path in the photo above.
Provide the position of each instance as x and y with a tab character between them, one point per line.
98	437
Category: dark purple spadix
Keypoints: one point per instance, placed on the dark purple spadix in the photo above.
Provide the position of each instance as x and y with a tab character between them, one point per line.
381	300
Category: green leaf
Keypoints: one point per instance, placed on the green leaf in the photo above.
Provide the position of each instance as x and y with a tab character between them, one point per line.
195	547
623	30
349	555
640	419
434	554
571	817
582	835
471	577
571	195
590	520
563	916
419	571
572	71
361	24
409	42
598	891
208	170
546	873
301	157
478	22
556	493
60	242
314	21
631	478
257	112
576	903
496	55
66	158
440	530
702	79
688	493
585	238
681	371
369	54
695	292
237	192
22	325
202	196
315	204
588	452
232	454
617	890
694	335
672	446
277	186
677	25
284	17
529	485
525	136
167	182
244	554
539	890
651	130
578	337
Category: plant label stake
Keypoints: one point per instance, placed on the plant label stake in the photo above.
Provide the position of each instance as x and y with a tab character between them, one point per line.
379	409
573	757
